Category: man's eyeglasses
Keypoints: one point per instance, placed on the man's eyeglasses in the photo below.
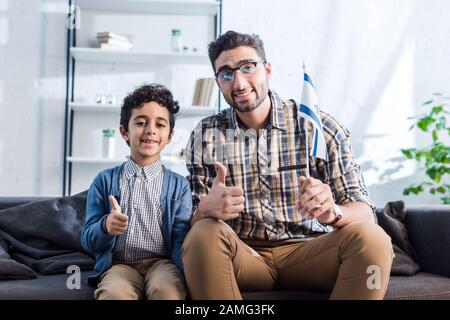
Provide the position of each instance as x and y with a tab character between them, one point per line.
246	68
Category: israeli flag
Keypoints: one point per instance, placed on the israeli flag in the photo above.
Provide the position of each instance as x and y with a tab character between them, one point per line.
309	109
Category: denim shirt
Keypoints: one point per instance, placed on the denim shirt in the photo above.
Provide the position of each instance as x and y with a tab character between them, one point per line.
176	205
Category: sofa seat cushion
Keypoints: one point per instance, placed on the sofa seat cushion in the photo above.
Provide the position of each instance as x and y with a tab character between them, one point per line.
46	287
421	286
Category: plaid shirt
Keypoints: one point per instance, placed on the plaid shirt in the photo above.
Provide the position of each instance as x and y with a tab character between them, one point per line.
268	165
140	191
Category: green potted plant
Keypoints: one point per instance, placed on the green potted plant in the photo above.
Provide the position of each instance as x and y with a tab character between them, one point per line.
435	158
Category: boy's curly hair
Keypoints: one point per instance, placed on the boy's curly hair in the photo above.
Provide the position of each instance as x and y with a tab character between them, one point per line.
149	93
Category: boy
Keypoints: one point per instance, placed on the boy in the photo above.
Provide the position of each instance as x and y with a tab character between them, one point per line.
138	213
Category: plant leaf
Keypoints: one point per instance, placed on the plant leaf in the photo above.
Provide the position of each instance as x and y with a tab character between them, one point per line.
424	123
435	136
441	189
437	110
409	153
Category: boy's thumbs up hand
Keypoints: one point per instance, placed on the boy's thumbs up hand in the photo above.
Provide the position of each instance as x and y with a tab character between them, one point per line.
116	222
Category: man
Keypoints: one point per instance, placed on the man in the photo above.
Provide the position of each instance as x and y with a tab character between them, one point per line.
266	215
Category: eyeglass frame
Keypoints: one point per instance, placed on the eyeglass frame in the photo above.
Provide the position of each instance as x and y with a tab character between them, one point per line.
255	63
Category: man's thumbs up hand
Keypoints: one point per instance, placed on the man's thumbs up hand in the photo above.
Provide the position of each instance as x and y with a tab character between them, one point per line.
222	202
221	173
116	222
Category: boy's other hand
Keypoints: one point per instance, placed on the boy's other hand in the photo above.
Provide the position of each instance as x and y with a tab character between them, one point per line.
222	202
116	221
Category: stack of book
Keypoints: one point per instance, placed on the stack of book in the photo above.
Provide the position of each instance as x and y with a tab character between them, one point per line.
111	40
205	93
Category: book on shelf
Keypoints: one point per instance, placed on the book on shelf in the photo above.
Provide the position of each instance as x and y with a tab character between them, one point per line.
113	35
110	40
205	92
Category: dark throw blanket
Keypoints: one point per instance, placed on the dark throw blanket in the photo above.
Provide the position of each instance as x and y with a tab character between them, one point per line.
43	237
392	220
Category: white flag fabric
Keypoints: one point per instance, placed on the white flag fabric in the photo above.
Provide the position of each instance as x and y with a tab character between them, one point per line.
309	109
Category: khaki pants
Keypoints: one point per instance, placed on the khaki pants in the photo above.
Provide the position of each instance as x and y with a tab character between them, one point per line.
353	263
153	279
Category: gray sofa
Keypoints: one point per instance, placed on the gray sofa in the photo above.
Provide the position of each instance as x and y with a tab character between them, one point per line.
428	229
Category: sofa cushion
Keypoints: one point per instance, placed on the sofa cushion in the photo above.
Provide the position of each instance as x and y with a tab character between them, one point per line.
51	287
421	286
392	220
429	233
44	236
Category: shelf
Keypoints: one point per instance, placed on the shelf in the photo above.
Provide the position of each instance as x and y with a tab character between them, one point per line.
191	111
133	57
92	107
90	160
180	7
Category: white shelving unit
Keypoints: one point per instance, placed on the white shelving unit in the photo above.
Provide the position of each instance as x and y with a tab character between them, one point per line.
115	109
180	7
83	115
133	57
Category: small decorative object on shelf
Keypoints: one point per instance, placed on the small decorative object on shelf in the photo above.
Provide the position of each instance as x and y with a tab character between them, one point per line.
100	99
176	40
109	143
111	99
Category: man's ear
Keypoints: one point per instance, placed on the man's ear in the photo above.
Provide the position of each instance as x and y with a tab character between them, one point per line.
124	133
170	136
268	70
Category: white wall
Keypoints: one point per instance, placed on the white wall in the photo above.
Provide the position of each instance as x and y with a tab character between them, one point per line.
32	93
373	63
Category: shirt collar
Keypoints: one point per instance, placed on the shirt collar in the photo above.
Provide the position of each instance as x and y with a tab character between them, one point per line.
131	169
276	113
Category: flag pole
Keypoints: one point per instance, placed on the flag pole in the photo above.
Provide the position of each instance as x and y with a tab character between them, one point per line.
306	134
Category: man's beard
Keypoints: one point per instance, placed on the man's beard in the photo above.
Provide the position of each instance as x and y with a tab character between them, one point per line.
251	107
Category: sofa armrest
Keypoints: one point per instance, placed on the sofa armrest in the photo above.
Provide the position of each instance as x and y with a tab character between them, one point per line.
429	233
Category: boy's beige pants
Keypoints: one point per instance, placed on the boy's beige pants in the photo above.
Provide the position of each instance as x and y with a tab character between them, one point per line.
352	263
152	279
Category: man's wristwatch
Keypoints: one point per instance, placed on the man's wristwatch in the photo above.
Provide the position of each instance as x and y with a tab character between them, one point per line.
337	213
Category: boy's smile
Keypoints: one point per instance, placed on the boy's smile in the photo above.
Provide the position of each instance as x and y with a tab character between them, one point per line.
148	132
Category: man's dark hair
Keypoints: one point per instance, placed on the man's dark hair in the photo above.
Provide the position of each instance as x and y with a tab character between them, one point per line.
149	93
231	40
